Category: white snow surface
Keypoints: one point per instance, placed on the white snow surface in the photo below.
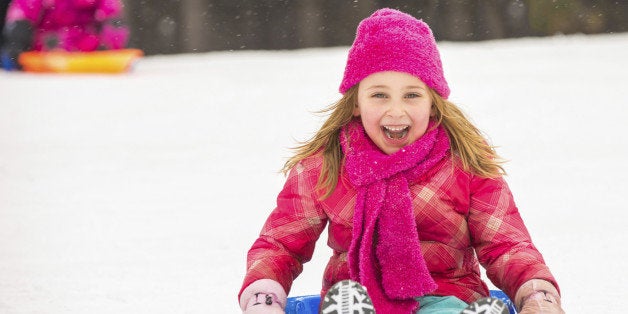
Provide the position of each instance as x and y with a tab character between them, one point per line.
142	192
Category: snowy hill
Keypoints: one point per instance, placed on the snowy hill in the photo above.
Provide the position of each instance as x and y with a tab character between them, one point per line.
141	193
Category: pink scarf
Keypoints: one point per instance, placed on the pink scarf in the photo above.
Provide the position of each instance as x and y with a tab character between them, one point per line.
385	253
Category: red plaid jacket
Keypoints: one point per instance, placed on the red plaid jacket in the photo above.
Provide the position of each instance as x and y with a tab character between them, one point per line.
463	221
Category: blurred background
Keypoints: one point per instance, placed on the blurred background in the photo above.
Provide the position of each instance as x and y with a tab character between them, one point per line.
184	26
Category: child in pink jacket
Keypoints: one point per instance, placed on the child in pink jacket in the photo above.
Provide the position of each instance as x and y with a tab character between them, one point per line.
411	193
70	25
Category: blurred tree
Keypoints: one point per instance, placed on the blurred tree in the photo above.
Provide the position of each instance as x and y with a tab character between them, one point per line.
556	16
155	25
207	25
578	16
4	5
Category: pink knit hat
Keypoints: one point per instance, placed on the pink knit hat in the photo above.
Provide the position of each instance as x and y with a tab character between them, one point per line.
390	40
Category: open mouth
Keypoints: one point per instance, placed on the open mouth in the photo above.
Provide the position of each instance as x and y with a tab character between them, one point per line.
395	132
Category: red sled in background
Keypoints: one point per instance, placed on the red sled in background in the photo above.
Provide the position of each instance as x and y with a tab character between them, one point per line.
101	61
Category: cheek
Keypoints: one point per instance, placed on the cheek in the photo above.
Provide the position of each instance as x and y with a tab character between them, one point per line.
369	117
420	127
371	125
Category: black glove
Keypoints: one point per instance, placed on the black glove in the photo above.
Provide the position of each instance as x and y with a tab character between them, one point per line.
18	38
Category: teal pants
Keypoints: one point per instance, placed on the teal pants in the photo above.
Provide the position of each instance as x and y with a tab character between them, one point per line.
441	305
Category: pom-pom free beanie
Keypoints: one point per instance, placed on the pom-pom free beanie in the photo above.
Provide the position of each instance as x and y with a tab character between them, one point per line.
390	40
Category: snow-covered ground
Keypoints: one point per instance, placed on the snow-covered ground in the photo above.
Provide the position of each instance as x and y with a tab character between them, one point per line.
141	193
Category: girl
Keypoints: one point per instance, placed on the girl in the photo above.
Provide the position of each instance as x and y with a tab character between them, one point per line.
413	195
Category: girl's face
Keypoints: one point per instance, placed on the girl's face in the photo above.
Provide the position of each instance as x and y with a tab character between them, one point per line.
395	109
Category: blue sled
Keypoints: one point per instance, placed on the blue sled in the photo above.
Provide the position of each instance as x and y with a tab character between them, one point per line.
308	304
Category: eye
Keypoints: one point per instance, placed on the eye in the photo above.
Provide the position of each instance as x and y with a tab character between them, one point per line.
413	95
378	95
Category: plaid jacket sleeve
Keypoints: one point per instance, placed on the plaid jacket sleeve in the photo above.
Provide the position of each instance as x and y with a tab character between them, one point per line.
288	237
501	239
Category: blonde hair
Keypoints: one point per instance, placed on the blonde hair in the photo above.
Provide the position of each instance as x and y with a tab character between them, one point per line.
467	142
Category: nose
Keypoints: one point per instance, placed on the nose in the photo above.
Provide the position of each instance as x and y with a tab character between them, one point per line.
396	109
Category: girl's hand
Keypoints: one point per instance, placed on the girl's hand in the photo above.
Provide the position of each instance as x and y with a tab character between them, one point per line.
541	302
264	296
538	296
265	310
263	303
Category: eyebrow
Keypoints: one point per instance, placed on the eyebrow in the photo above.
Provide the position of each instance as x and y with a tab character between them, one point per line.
416	86
386	86
376	86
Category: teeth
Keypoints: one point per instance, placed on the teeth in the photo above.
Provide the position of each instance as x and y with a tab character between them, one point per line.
395	128
396	132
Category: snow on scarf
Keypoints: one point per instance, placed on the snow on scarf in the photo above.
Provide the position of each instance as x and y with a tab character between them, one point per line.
385	254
